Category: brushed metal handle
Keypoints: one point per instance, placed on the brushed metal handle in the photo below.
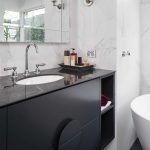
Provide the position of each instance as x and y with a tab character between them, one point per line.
14	73
42	64
10	68
37	70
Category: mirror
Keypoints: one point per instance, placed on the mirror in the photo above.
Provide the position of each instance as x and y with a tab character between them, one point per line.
34	21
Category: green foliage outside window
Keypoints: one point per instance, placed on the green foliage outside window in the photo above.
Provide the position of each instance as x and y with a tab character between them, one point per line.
6	33
37	35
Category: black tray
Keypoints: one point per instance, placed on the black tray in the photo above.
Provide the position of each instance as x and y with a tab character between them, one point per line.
77	68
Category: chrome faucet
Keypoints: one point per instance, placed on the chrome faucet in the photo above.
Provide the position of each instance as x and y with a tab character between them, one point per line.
26	73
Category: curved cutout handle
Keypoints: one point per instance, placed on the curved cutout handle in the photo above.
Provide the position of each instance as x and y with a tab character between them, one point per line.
71	136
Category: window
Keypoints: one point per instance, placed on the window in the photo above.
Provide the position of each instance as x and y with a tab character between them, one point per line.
34	25
24	26
11	26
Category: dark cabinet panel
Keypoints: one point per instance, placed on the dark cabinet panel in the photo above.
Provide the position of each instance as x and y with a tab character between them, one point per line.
3	128
108	115
107	128
91	136
37	124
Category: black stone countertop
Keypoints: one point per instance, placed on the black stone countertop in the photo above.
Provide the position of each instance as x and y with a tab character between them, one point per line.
11	93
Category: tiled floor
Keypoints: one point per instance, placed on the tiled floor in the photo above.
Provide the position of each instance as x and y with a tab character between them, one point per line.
136	146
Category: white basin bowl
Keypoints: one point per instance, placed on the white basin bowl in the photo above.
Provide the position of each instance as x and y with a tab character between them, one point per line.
39	80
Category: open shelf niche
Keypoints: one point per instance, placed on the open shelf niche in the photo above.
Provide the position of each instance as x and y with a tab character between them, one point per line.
108	114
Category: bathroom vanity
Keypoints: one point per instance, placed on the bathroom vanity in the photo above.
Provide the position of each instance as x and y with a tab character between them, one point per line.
62	115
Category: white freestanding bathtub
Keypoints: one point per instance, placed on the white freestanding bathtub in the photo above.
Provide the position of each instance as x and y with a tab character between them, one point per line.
141	116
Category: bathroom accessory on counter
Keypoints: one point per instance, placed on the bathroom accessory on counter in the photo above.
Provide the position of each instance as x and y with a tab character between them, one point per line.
86	61
67	57
79	60
73	57
77	68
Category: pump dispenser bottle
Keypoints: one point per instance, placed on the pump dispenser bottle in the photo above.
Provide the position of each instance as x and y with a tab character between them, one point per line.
73	57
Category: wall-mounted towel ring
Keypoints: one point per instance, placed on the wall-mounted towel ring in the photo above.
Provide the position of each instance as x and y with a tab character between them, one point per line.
88	2
125	53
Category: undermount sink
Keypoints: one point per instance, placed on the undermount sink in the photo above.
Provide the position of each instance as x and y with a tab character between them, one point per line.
39	80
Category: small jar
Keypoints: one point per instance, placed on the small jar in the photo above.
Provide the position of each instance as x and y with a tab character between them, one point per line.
80	61
67	58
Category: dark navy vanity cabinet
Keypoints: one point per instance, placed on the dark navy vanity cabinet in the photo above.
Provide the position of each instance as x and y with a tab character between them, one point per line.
68	118
3	129
37	124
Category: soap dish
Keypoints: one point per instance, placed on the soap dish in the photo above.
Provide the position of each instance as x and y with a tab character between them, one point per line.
77	67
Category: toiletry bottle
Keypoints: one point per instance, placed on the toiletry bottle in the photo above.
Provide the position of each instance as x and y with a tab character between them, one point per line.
75	54
73	57
80	61
67	57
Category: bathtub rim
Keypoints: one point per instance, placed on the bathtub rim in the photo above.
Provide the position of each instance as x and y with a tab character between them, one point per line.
137	113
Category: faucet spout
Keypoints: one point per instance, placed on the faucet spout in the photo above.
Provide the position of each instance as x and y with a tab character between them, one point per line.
26	57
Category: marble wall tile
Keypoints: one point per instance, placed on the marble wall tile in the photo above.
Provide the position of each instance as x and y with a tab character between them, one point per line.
97	30
145	47
128	70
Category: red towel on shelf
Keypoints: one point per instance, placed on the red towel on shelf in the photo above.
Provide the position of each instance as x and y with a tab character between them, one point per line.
104	100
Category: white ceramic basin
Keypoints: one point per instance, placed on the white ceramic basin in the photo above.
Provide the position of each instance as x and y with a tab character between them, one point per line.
39	80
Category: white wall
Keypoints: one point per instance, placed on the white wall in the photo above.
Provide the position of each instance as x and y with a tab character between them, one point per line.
128	71
11	5
145	46
7	5
13	54
52	22
97	30
27	4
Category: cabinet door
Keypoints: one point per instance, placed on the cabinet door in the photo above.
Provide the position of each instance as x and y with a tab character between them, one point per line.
38	123
3	128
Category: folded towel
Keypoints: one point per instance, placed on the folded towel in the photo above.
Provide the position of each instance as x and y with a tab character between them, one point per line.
104	100
107	105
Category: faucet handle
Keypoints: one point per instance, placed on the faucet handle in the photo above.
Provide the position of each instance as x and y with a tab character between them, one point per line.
37	70
38	65
14	73
10	68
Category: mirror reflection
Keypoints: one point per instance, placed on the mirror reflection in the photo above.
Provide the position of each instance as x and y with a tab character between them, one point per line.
36	20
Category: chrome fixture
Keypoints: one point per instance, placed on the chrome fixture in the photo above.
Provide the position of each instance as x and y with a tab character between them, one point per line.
37	70
59	6
26	73
14	73
88	2
128	53
125	53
